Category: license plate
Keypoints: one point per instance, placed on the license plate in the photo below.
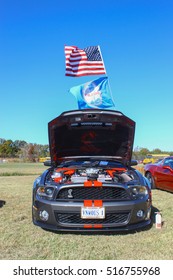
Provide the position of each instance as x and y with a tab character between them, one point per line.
92	212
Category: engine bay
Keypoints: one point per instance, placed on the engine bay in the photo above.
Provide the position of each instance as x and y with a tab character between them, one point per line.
65	175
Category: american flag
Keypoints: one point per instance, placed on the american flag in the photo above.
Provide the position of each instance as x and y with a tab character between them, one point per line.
82	62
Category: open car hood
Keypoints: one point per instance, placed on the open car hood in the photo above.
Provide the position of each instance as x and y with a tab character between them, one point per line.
91	133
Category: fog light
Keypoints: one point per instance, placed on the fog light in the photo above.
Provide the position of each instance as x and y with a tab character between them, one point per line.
140	214
44	215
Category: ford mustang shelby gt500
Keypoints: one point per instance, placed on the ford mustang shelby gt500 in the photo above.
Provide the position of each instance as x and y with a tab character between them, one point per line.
90	184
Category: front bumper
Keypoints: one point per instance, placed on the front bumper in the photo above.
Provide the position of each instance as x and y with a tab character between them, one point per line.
65	216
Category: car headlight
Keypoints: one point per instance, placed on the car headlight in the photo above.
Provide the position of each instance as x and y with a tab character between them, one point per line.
46	192
138	191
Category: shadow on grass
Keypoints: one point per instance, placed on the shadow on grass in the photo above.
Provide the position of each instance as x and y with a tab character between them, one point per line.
2	203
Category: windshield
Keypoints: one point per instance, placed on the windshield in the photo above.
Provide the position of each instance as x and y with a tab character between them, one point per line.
168	162
149	156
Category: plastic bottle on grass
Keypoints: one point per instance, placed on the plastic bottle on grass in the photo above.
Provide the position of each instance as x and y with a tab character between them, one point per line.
158	220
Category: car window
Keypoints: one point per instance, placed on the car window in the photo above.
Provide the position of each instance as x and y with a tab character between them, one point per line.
168	162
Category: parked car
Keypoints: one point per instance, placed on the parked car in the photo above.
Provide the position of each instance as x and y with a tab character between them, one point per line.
153	158
160	174
91	184
43	159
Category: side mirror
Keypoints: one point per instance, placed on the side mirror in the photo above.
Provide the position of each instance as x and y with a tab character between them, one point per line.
47	163
133	162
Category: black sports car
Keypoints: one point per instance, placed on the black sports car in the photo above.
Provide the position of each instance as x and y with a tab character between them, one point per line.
90	185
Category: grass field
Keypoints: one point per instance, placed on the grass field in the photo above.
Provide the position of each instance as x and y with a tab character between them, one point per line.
20	239
20	169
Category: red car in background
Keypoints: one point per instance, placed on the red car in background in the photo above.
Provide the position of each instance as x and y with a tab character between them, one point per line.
160	174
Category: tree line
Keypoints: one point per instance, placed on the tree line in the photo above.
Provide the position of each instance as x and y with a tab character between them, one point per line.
20	149
140	153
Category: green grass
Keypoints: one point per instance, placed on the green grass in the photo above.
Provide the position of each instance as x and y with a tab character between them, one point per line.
20	169
20	239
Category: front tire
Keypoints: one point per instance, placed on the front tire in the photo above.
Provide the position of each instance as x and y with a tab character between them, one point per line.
150	179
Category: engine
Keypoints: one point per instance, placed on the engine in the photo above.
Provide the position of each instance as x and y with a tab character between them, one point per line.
68	175
90	174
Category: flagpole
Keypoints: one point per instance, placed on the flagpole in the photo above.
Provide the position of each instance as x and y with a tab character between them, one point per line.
106	75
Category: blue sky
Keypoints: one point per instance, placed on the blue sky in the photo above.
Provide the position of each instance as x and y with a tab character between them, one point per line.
136	40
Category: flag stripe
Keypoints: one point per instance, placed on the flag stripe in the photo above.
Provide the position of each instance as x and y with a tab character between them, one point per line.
84	64
84	70
81	62
78	58
83	73
81	68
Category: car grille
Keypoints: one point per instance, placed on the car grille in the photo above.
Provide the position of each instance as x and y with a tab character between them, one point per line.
104	193
74	218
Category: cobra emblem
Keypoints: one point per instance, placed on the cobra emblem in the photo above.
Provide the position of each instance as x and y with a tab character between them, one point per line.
70	193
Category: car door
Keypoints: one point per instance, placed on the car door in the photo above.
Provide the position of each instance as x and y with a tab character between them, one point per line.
164	175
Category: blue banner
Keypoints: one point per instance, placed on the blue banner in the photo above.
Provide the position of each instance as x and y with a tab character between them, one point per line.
94	94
